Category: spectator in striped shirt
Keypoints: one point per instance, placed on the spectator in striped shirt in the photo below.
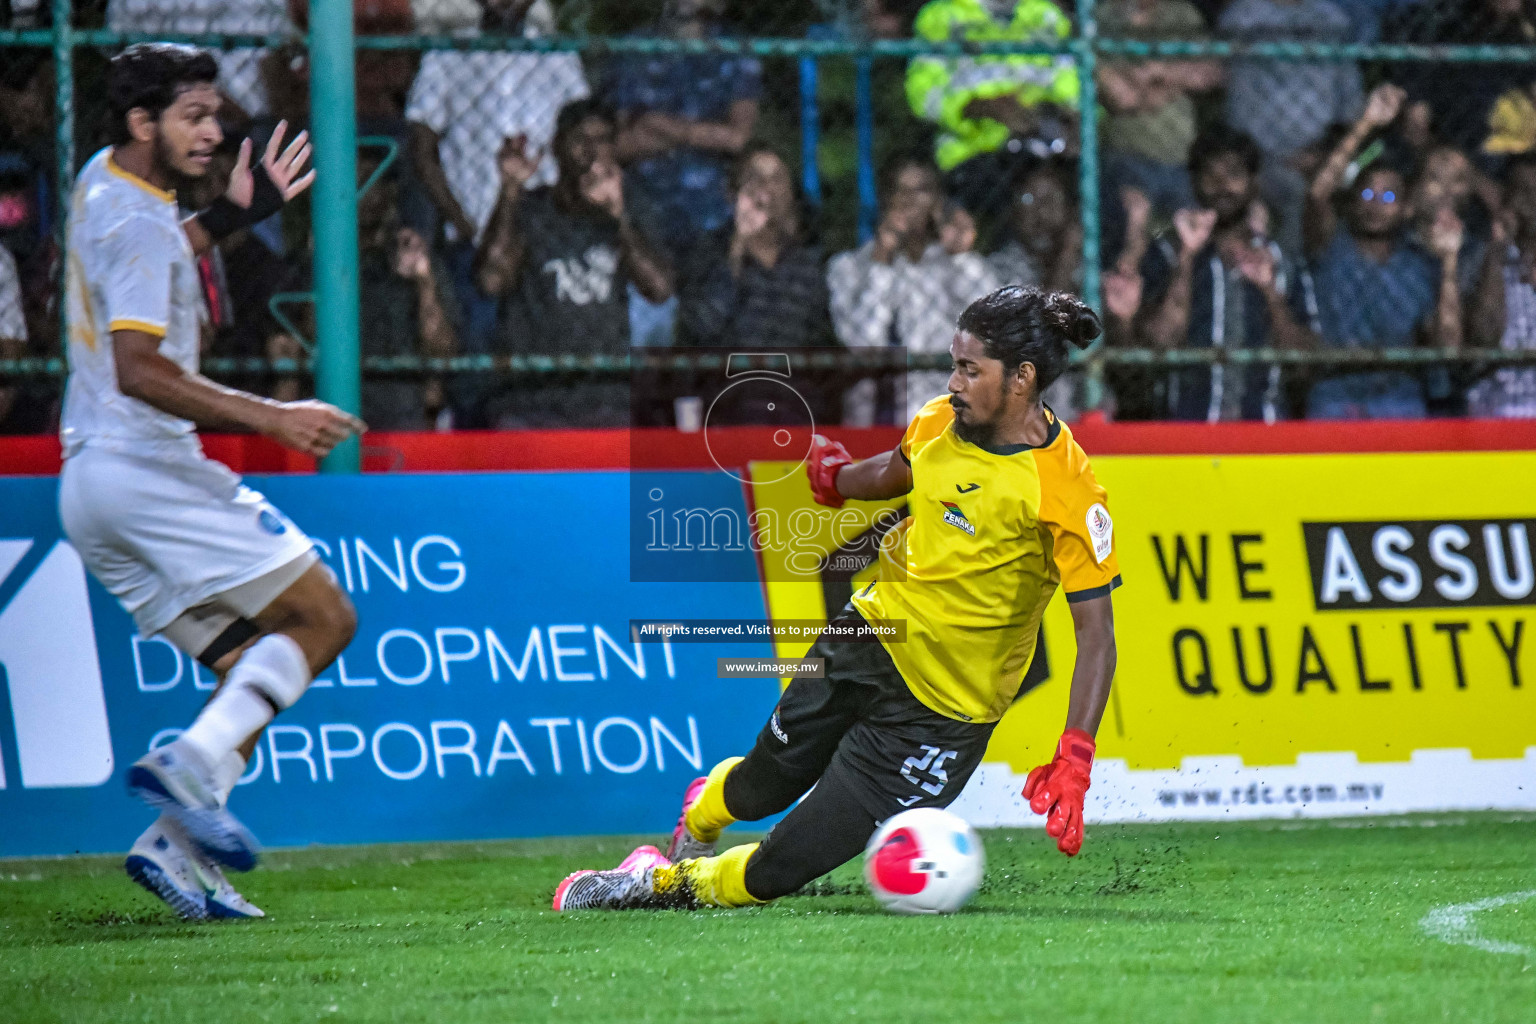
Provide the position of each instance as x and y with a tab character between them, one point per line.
1504	308
1219	281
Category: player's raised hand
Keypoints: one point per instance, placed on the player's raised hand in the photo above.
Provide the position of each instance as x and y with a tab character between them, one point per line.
826	460
312	427
286	166
241	186
1056	790
281	170
255	193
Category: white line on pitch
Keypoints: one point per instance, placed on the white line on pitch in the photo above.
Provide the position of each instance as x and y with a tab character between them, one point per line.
1454	924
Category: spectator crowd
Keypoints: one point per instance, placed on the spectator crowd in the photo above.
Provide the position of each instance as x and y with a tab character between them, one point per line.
543	204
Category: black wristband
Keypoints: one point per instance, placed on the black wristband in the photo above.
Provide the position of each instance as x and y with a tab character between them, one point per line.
223	218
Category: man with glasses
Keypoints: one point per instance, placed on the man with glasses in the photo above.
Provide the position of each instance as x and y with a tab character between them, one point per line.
1376	288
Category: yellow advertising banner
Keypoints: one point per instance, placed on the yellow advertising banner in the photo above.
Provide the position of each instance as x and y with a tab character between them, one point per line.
1367	608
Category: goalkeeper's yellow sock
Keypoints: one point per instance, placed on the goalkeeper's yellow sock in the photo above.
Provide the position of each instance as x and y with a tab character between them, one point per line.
708	816
713	881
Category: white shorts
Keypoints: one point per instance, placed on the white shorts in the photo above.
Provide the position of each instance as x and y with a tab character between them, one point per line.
165	535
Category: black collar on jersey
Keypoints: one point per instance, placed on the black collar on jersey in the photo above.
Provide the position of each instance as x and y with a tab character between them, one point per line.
1052	431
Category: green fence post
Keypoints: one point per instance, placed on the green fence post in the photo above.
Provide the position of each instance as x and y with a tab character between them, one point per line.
333	125
64	145
1088	178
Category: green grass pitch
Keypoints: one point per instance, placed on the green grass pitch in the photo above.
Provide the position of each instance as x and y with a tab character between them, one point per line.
1274	922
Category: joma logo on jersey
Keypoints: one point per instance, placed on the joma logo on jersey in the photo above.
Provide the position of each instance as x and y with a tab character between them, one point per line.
954	517
48	651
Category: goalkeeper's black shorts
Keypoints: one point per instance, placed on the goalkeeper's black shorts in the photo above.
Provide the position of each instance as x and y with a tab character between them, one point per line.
861	728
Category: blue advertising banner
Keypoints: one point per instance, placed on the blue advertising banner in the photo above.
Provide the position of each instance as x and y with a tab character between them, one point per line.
493	688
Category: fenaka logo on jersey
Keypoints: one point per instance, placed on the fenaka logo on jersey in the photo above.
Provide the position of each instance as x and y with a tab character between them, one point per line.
48	651
954	517
1101	530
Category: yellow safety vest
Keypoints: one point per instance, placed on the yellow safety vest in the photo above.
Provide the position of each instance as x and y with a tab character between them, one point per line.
938	88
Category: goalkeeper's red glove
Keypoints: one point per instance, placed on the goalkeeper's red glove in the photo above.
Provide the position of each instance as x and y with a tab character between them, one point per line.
1056	790
827	458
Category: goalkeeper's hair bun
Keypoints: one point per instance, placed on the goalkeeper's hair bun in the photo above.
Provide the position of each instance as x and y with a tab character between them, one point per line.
1018	325
1078	324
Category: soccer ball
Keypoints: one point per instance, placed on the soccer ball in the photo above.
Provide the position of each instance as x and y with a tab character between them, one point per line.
924	861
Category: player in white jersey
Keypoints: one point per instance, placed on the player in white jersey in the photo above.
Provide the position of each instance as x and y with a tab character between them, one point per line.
195	556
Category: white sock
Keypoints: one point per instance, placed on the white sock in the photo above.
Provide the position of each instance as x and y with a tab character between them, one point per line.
271	674
233	716
226	774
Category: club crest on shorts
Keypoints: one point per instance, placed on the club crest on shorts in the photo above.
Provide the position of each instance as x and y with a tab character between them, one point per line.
1101	530
954	517
271	522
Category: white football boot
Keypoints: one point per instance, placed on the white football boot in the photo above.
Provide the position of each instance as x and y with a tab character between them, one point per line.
175	780
160	865
224	900
167	864
626	886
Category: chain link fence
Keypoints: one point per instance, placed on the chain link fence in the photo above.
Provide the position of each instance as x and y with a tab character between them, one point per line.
1284	208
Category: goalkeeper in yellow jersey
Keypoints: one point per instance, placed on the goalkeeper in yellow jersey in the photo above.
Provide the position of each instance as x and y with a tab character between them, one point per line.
1004	508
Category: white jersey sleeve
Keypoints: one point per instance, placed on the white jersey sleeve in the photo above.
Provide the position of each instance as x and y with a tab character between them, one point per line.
138	257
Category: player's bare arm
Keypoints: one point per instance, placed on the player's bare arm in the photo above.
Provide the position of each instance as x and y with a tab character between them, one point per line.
885	476
1093	623
835	476
311	427
1057	789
